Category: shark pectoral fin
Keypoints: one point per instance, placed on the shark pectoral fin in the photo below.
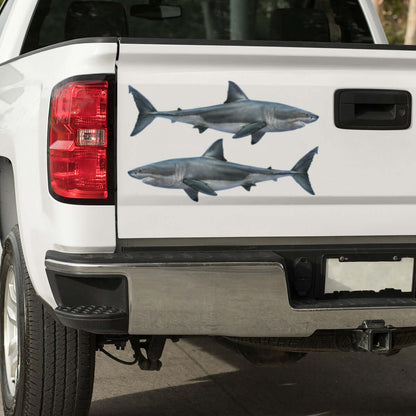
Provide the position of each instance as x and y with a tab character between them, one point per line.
248	186
235	93
192	194
250	129
199	186
256	137
201	129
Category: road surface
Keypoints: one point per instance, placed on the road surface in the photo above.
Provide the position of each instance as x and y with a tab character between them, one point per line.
201	377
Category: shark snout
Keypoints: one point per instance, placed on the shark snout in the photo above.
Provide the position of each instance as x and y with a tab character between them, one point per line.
304	117
137	174
310	118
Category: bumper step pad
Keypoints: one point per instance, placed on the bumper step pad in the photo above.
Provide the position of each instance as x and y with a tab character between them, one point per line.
100	319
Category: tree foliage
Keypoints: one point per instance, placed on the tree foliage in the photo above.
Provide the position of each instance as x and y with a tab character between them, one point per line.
393	14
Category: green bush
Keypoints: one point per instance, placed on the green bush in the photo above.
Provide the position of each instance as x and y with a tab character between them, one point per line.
395	19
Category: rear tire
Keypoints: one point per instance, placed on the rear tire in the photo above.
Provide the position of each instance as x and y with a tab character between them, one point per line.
48	370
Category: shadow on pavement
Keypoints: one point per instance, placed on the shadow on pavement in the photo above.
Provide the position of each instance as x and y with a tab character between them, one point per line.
321	384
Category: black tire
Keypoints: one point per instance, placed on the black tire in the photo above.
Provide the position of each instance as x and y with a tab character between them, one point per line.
56	364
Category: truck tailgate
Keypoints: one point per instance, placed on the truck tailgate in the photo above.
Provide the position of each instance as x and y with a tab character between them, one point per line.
362	181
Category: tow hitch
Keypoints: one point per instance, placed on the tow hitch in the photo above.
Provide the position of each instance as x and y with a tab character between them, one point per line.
374	336
153	346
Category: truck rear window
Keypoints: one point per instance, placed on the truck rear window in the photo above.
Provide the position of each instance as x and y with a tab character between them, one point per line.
56	21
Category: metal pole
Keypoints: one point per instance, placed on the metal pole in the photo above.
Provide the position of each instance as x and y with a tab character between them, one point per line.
240	19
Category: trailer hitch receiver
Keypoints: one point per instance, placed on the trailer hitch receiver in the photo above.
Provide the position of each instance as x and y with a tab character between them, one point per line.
374	336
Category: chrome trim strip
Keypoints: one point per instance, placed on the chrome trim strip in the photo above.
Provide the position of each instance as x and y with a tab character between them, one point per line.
97	268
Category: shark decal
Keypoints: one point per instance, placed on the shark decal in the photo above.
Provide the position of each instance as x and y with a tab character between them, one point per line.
212	172
238	115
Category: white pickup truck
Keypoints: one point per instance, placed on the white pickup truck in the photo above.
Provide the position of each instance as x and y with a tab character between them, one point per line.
160	178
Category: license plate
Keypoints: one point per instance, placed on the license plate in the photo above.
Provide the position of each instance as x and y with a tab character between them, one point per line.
353	276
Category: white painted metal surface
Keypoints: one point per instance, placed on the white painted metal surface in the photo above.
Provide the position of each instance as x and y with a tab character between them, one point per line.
373	21
46	224
364	180
15	28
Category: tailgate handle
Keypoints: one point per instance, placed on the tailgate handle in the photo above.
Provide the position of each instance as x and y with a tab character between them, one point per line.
373	109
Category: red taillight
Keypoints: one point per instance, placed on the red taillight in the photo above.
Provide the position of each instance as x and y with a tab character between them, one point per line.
78	140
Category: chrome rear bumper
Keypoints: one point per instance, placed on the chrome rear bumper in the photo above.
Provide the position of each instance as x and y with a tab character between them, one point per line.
240	299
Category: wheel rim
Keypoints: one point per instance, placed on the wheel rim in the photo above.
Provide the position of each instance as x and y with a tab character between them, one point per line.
11	332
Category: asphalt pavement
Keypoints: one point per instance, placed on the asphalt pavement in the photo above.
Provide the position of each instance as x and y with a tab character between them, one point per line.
203	378
200	377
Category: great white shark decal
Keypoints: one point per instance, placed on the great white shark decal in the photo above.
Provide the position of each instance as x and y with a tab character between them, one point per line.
212	172
238	115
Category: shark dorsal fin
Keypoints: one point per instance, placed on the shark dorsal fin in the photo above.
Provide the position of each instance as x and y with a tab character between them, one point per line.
215	151
235	93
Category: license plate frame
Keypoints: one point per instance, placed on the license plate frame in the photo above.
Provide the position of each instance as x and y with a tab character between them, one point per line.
340	275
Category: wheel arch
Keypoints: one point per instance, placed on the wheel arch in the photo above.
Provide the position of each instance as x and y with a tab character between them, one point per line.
8	209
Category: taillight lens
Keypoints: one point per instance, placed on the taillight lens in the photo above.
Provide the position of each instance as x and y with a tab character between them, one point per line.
78	140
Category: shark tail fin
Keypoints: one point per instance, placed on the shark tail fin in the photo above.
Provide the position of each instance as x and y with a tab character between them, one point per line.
300	171
147	112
